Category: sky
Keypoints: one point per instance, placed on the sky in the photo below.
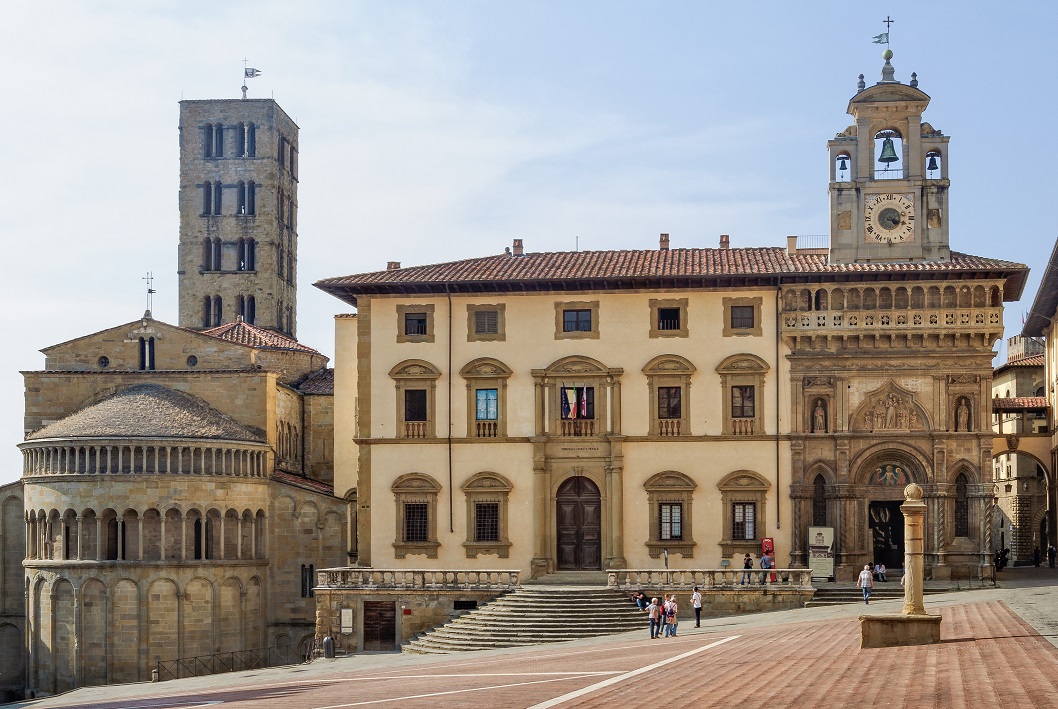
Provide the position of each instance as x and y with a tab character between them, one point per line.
434	131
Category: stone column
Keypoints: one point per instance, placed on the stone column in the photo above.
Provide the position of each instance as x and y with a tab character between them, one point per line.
914	510
541	519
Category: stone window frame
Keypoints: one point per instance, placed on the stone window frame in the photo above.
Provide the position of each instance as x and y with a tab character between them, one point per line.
486	373
409	309
743	486
416	488
578	371
416	374
743	369
758	306
562	306
487	486
669	486
656	304
501	322
673	371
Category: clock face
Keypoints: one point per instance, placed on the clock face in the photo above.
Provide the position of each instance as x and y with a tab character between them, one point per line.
889	218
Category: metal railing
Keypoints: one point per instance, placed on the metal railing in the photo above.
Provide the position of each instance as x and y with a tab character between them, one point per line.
221	662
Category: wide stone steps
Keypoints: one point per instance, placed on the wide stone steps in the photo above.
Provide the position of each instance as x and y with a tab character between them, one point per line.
533	616
832	596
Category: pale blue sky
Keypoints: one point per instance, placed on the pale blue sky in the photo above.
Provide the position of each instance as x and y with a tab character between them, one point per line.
439	130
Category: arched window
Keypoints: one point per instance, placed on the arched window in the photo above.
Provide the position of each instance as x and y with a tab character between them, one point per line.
819	502
888	155
251	254
240	307
962	507
207	254
251	310
207	198
251	197
240	140
251	140
218	311
218	191
240	197
146	353
217	266
207	140
207	311
934	165
842	168
218	140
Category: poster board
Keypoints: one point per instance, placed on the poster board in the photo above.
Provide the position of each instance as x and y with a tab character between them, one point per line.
347	621
821	552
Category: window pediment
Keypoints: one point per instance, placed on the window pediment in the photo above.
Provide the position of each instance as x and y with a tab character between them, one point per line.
415	482
670	481
577	364
743	480
415	369
669	364
486	367
487	482
742	363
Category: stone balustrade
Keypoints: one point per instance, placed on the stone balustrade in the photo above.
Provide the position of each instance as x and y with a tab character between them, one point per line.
895	319
425	579
704	579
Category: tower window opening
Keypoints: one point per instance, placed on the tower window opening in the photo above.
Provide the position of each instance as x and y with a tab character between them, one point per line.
240	140
240	197
146	354
207	140
888	155
251	140
218	311
218	140
251	197
934	165
843	168
251	309
207	198
218	191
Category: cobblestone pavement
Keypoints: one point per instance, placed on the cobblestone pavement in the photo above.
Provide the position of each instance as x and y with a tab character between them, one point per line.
998	649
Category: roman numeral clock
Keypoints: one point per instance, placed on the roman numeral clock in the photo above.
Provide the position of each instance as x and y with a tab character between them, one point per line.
889	218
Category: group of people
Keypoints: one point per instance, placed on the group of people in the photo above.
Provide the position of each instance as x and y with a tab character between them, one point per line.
1002	557
664	616
767	561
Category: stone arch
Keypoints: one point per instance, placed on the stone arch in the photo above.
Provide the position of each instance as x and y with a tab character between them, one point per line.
64	639
414	369
485	367
123	629
963	466
890	407
163	634
914	463
819	467
669	364
198	620
576	364
230	621
740	363
93	635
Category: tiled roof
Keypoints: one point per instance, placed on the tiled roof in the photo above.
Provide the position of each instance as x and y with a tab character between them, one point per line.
319	382
1030	361
611	266
149	411
1017	403
246	334
299	481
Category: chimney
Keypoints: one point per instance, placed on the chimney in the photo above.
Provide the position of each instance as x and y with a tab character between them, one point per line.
725	241
392	265
791	245
664	243
518	249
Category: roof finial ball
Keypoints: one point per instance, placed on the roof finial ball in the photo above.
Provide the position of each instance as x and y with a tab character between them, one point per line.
887	54
888	72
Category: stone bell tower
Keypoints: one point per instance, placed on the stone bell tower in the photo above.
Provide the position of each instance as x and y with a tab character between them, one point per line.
238	214
888	177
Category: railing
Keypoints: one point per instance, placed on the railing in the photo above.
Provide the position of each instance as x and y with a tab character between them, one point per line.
415	429
577	427
905	319
669	427
730	579
428	579
742	427
486	429
221	662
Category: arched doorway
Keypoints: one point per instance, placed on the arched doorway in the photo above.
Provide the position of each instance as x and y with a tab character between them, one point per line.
884	518
578	516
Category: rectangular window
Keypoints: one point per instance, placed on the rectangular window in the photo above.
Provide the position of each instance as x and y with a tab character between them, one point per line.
488	405
416	522
415	405
742	317
578	402
744	521
742	402
415	323
486	322
576	321
670	403
670	515
487	522
668	318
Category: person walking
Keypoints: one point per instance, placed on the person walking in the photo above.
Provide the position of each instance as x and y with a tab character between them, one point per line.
671	619
1051	553
747	564
866	582
696	601
654	613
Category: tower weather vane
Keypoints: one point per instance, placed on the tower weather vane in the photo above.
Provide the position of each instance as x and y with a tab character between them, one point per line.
248	72
150	290
883	38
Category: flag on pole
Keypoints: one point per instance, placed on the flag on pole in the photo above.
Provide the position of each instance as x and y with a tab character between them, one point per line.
882	38
251	73
584	402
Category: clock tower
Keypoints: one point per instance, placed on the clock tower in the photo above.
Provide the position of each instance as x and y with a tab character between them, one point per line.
888	178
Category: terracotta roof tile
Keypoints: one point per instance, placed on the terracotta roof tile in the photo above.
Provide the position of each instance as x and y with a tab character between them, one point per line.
647	264
1030	361
246	334
1016	403
302	482
319	382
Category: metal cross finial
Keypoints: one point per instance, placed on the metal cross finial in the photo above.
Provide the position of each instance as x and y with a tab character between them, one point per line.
888	21
150	290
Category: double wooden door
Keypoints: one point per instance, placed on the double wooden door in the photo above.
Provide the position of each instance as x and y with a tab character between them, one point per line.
579	525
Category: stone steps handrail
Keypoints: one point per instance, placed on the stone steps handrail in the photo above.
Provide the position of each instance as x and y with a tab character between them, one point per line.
431	579
705	579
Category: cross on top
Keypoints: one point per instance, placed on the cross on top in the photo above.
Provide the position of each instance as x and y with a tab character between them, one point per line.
888	21
150	289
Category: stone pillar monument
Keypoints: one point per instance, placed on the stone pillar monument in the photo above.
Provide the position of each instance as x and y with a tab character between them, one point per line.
913	626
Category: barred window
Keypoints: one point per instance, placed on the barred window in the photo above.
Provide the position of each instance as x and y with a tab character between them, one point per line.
962	507
576	321
415	324
742	317
416	522
668	318
819	502
487	522
670	515
744	521
670	405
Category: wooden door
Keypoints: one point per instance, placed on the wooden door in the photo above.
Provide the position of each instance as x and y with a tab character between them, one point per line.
380	625
579	521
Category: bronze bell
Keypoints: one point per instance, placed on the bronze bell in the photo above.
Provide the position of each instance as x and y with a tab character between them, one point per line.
843	164
888	152
932	164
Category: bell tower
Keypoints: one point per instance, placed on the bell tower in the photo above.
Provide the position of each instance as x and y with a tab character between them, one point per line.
888	177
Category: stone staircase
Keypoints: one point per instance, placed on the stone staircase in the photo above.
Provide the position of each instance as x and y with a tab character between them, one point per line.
531	615
828	594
